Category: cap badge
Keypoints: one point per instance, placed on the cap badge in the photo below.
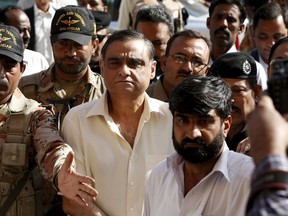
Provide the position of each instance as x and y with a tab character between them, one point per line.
3	38
69	21
246	67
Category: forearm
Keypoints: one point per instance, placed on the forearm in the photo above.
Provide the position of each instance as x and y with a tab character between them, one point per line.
50	147
269	187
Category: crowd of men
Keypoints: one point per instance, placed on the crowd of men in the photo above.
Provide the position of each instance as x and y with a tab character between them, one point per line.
154	119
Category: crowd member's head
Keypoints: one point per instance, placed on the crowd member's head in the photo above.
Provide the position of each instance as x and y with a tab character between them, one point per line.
138	5
95	5
156	23
187	53
268	27
278	51
239	71
127	64
103	20
251	6
225	23
201	109
15	16
284	6
73	39
11	61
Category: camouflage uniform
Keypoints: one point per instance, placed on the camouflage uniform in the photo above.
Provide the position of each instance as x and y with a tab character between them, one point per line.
43	88
28	132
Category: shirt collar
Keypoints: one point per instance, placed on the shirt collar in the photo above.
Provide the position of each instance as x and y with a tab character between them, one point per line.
261	61
37	11
17	102
48	78
174	161
231	50
150	106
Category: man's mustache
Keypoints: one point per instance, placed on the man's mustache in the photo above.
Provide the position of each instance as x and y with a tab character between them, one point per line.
225	31
198	140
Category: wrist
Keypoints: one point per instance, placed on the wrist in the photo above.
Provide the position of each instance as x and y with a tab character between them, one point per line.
270	180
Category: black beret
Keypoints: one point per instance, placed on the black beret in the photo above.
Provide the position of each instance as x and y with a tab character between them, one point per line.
102	19
234	65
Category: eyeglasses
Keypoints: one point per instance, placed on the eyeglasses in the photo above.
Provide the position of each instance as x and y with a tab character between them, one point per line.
195	63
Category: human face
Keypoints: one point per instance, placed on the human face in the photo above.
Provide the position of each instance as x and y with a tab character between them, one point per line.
281	52
72	58
268	32
127	67
224	25
244	101
191	48
10	74
20	20
158	34
96	5
199	138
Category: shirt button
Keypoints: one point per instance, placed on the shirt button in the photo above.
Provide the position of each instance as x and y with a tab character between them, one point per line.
131	183
131	209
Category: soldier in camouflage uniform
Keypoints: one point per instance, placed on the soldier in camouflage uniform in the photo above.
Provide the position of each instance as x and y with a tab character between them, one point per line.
28	134
69	81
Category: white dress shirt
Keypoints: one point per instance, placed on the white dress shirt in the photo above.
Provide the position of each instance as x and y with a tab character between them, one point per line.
223	192
120	172
42	32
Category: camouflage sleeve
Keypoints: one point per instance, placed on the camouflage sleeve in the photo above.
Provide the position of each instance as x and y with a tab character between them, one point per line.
51	150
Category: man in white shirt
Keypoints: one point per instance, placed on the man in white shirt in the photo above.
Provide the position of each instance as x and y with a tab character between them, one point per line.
15	16
225	23
268	27
40	16
203	177
24	4
119	137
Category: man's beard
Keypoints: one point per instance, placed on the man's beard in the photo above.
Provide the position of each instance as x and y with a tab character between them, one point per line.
204	152
76	68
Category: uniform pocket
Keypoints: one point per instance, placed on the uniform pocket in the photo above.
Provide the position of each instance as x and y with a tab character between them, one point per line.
14	154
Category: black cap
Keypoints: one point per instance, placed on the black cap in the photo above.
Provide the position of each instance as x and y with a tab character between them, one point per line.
74	23
102	19
11	43
234	65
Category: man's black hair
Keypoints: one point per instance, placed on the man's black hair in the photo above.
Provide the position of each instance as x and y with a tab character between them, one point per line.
200	94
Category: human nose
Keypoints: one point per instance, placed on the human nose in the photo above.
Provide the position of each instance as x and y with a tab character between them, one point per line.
224	23
26	34
271	42
124	70
70	49
193	131
188	66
